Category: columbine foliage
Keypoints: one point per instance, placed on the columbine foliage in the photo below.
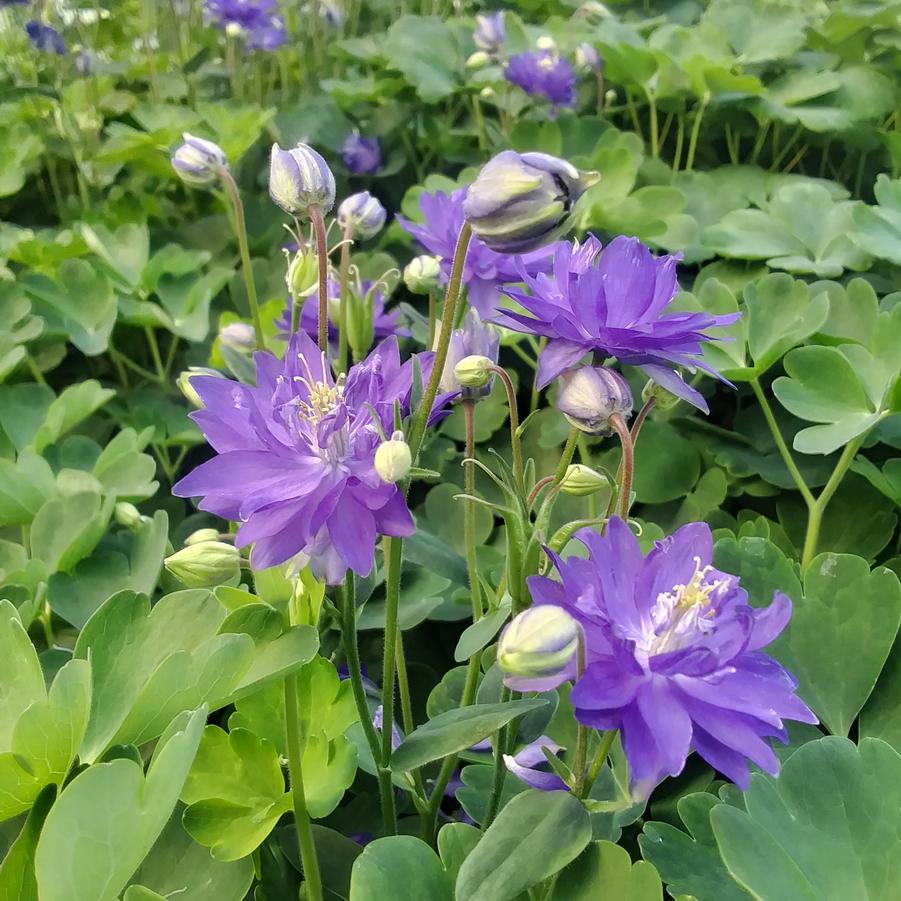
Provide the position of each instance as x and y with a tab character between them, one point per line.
450	454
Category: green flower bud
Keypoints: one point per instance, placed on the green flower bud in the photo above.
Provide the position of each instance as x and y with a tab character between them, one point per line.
522	201
473	371
423	275
664	400
300	178
303	273
546	42
188	390
581	480
477	60
538	643
393	459
128	515
589	395
206	564
202	535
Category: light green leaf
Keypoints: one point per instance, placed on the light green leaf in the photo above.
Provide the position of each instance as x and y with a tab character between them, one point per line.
108	818
428	52
827	828
17	879
534	836
455	842
878	228
74	405
125	251
456	730
66	530
401	868
604	869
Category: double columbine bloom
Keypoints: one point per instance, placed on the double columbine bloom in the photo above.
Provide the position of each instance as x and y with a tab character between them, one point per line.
674	655
257	22
295	457
543	74
613	302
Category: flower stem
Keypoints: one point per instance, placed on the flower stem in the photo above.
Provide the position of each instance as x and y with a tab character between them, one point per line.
567	456
628	466
420	420
582	731
322	258
784	452
469	518
515	443
599	758
500	768
815	517
343	270
246	267
695	132
308	857
433	317
352	653
393	555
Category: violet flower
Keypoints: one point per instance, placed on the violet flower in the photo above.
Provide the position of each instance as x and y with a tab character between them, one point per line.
476	338
485	271
257	21
384	323
674	654
294	457
490	32
530	765
543	74
45	38
362	156
613	303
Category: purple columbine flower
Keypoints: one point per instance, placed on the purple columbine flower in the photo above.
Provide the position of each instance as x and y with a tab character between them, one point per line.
613	302
294	457
530	765
257	21
543	74
485	271
384	323
362	156
674	654
476	338
45	38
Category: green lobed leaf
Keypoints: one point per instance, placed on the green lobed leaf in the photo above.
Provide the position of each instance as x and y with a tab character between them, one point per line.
399	867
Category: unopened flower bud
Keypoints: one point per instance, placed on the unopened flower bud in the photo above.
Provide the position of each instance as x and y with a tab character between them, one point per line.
188	390
198	162
609	97
588	58
521	201
238	336
487	93
590	395
477	340
546	42
361	215
128	515
300	178
422	274
664	400
593	11
303	273
491	32
393	459
205	564
477	60
581	480
202	535
473	371
538	643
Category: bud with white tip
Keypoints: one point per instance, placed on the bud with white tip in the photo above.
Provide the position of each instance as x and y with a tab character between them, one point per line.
238	336
299	179
361	215
546	42
589	395
199	162
128	515
422	274
205	564
202	535
393	458
580	480
478	60
540	643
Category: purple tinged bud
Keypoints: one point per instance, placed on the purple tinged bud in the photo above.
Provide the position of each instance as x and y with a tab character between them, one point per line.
590	395
520	202
588	58
476	339
362	156
539	643
361	215
198	162
300	178
238	336
491	32
45	38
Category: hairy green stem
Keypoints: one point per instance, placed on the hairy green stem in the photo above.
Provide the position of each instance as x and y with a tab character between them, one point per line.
695	132
566	457
500	768
393	555
343	272
513	409
628	464
246	267
322	258
308	857
598	762
582	731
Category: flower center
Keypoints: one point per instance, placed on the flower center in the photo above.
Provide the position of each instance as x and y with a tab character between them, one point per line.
681	615
323	399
